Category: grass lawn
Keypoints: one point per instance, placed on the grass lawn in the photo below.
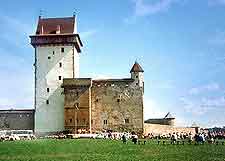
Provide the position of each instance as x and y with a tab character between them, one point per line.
88	149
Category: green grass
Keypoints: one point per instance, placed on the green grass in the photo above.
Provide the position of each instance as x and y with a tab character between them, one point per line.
84	149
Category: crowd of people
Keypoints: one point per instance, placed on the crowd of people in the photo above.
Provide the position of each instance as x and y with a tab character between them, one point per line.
201	137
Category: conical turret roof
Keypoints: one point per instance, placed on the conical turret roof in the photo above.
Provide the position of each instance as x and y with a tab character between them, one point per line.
136	68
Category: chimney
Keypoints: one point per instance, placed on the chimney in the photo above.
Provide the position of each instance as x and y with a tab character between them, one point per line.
58	29
42	30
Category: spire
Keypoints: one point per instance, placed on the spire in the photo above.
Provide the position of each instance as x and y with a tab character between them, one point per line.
136	68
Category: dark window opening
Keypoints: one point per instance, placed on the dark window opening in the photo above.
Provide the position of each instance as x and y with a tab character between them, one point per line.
127	121
91	121
77	93
60	64
62	50
47	102
118	100
77	121
105	122
137	76
71	120
52	32
47	89
137	84
96	100
60	77
53	53
49	57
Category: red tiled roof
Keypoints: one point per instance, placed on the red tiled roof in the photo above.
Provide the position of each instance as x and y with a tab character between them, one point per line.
50	25
136	68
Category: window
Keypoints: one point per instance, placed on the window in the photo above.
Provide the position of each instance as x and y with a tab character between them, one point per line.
118	100
60	77
62	50
126	121
60	64
71	120
96	100
105	122
136	76
47	102
47	89
91	121
136	84
49	57
77	93
53	53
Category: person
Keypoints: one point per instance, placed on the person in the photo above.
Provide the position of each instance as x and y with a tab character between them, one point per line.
124	138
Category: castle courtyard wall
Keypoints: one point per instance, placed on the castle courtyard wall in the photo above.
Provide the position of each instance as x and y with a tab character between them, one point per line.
157	129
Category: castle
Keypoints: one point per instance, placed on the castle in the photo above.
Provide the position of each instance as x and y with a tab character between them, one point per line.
63	101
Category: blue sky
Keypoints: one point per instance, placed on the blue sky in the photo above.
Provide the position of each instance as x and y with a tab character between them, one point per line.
179	43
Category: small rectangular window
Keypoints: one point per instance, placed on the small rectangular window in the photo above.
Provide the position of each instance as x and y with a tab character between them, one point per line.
47	102
91	121
53	53
47	89
60	64
60	77
118	100
62	50
49	57
127	121
105	122
71	120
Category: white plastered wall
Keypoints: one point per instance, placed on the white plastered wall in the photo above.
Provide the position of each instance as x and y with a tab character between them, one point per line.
50	117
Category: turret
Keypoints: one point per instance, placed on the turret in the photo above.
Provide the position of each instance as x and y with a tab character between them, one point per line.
137	73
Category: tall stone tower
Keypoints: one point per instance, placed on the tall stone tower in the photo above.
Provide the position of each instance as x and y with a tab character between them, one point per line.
57	46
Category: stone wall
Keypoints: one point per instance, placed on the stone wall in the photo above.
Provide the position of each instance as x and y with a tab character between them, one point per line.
117	105
77	104
16	119
156	129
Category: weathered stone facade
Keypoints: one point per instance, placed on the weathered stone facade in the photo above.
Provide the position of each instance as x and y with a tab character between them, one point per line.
109	104
117	105
16	119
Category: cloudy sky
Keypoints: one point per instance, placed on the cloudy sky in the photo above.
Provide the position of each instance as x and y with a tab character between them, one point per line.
179	43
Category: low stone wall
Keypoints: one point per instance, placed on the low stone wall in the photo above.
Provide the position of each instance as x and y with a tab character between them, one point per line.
17	119
156	129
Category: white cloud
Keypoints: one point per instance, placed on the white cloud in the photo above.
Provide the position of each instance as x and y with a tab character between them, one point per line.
87	34
218	38
16	81
152	110
205	88
216	2
148	7
203	105
143	8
